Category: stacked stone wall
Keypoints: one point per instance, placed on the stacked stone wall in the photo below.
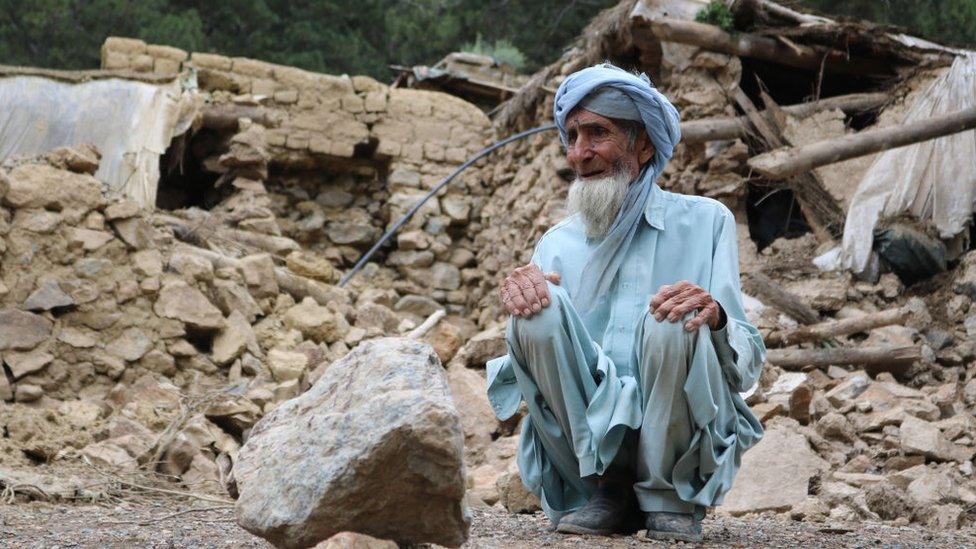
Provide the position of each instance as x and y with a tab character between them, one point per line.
384	147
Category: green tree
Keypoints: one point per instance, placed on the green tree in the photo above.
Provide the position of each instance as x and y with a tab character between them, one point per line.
353	36
944	21
69	33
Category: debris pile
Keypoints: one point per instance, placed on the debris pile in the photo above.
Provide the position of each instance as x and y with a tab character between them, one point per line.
142	339
330	162
865	392
156	336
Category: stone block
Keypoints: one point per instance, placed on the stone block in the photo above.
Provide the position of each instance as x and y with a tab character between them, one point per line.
216	80
352	103
775	474
211	61
124	45
142	63
375	101
286	97
263	86
115	60
165	66
252	67
167	52
367	84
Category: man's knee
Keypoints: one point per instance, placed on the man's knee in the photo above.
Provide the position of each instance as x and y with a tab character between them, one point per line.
664	334
541	325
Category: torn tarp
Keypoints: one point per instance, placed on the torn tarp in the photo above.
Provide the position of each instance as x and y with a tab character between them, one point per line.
130	121
932	181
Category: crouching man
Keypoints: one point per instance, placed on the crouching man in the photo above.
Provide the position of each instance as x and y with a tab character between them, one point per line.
627	338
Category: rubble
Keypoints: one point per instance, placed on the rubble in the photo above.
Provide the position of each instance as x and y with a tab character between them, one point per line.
867	377
131	335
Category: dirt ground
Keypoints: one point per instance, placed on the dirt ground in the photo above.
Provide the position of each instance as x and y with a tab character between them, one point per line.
167	525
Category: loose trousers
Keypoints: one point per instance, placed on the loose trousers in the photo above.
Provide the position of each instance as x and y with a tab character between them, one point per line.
669	416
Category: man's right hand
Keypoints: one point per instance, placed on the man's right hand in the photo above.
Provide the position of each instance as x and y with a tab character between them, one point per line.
524	292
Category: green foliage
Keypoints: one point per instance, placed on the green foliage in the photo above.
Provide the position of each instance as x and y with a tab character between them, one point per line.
718	14
366	36
334	36
943	21
501	51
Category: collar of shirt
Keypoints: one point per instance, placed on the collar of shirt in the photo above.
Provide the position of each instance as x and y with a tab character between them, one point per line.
656	208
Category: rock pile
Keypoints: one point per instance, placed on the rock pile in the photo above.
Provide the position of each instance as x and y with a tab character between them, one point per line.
842	442
841	438
159	340
146	351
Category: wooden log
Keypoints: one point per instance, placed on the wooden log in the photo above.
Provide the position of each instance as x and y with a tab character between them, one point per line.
432	320
715	129
890	358
767	291
820	209
710	37
225	117
834	328
763	13
788	14
277	245
783	163
207	229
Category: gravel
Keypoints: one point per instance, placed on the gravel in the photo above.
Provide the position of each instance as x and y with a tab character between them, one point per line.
156	525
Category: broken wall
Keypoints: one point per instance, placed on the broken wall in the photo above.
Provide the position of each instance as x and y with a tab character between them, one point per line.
347	156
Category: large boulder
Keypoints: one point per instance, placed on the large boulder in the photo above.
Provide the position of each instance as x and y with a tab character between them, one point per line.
775	474
468	388
375	447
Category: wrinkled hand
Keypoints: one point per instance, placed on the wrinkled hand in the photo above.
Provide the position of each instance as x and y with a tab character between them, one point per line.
674	301
524	292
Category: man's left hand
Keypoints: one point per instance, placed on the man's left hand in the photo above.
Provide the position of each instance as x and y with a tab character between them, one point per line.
674	301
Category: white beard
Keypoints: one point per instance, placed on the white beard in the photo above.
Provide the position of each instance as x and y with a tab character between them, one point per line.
598	201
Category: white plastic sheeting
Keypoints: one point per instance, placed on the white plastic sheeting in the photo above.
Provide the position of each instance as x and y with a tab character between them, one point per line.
131	122
933	180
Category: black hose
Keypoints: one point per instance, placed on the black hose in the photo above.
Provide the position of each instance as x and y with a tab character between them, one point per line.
406	217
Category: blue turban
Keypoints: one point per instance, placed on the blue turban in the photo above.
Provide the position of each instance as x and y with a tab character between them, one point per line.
662	123
612	103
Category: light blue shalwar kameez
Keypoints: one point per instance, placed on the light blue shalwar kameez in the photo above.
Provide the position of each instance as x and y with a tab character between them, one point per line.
588	377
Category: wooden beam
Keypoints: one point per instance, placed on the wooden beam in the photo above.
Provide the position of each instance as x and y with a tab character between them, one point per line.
766	48
770	293
786	162
715	129
209	229
226	116
890	358
834	328
799	18
820	209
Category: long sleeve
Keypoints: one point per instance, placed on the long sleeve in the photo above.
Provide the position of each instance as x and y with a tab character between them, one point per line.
738	344
503	390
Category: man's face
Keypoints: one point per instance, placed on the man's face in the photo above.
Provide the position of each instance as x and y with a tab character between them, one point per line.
597	146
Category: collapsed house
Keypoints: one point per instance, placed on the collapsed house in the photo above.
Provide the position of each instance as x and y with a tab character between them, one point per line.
853	360
156	324
476	78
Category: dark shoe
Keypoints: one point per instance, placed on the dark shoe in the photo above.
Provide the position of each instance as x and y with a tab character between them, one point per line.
612	510
673	526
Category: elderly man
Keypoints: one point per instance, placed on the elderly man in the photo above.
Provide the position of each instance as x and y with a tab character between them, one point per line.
627	338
